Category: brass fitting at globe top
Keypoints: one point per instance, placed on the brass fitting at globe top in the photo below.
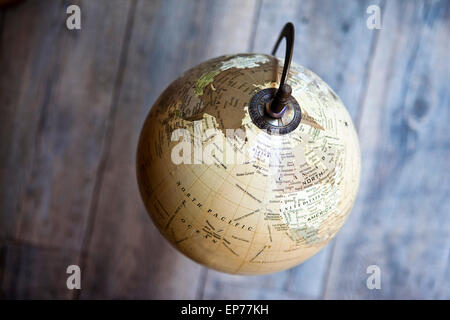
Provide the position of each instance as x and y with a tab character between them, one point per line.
277	107
276	110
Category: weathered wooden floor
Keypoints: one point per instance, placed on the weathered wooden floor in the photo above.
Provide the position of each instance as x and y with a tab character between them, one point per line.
72	104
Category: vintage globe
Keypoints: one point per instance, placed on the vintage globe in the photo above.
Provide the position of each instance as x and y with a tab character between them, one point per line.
238	193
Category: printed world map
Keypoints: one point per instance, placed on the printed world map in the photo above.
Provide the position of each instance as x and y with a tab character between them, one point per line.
286	197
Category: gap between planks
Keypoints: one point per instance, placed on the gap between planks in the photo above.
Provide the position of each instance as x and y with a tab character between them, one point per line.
357	123
84	254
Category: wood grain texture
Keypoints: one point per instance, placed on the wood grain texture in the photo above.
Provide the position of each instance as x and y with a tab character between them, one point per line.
332	40
56	89
57	97
127	257
401	221
32	272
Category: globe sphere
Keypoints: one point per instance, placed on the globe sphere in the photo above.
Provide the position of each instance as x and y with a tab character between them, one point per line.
232	196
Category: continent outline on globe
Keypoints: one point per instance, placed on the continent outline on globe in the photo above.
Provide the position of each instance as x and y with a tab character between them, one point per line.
278	207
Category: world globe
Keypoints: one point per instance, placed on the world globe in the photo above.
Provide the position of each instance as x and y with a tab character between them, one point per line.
235	189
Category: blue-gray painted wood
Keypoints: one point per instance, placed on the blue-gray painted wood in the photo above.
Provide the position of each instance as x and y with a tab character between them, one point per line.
127	257
56	91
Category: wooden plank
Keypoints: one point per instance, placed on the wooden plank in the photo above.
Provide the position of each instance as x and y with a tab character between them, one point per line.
57	86
296	283
56	97
401	220
24	264
332	40
222	290
23	89
2	268
126	256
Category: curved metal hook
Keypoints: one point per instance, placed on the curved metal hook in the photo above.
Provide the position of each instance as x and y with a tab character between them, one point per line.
277	107
288	33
